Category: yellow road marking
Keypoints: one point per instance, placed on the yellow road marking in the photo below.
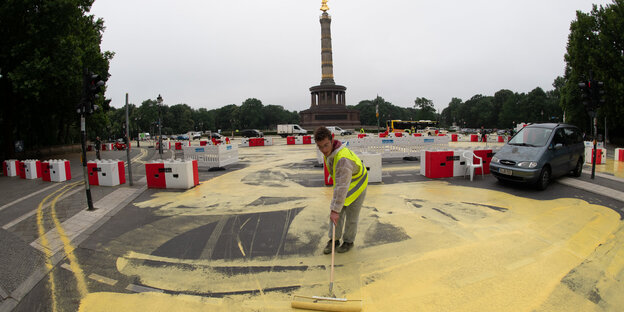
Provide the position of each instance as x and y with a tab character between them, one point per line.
69	249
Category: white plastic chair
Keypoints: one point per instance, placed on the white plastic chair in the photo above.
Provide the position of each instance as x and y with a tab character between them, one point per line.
471	164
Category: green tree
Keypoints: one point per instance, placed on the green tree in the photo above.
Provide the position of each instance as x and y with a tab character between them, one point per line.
45	47
595	43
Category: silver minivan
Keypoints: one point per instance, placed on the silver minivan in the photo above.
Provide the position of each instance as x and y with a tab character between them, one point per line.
539	152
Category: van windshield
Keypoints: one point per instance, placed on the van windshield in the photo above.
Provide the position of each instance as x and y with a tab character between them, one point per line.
533	136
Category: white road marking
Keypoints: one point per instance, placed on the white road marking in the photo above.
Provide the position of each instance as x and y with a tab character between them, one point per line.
27	196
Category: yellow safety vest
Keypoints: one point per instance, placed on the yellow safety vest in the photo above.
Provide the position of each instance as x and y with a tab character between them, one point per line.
359	182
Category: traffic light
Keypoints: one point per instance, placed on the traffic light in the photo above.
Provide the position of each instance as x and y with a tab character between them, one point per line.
586	94
592	93
92	87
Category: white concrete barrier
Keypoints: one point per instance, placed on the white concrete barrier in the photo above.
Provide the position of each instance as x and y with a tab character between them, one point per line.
32	169
172	174
373	163
10	167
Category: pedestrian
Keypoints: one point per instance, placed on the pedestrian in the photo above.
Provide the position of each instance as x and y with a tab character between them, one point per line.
98	145
350	181
482	134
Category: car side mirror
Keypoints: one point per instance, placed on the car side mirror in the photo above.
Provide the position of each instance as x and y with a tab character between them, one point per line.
558	146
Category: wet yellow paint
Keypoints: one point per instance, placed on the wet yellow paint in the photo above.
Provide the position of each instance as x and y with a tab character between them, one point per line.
468	248
613	167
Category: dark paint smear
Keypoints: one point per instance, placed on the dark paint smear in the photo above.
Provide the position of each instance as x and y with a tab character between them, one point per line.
444	213
501	209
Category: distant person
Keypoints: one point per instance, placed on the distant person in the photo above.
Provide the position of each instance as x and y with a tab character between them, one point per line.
98	145
362	130
350	182
482	134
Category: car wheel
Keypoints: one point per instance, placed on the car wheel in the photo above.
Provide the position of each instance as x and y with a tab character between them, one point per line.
544	179
578	169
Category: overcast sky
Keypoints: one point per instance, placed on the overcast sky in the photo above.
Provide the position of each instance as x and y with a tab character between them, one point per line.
213	53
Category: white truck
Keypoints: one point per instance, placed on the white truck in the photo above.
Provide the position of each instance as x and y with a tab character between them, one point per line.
290	129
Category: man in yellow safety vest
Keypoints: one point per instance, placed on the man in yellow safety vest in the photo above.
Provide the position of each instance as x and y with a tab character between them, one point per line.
350	181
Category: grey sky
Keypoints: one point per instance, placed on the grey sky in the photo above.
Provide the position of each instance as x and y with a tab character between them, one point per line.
213	53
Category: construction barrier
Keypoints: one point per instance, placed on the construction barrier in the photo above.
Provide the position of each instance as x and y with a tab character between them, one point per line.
619	154
397	147
474	138
20	170
246	142
372	162
179	145
166	145
328	178
107	172
212	156
501	139
453	137
32	169
296	140
172	174
55	170
203	143
107	146
451	163
601	156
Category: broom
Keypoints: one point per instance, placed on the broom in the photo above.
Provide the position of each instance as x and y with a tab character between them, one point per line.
330	303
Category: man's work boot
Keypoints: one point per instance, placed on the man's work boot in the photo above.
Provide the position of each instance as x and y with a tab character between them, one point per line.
328	248
345	247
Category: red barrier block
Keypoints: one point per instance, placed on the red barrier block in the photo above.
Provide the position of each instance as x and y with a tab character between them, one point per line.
453	137
155	174
598	157
178	146
45	171
21	170
67	170
361	135
122	172
417	134
474	138
619	154
290	140
486	155
195	172
92	171
501	139
398	134
439	164
307	139
203	143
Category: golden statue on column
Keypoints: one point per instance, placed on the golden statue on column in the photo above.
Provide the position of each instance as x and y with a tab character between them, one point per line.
324	6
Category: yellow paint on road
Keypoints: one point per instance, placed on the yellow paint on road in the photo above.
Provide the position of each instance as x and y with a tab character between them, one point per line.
44	240
68	248
422	246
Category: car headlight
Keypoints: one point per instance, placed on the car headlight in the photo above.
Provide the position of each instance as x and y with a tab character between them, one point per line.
495	160
527	164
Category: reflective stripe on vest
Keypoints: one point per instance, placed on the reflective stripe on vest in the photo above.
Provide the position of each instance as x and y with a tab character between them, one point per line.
358	182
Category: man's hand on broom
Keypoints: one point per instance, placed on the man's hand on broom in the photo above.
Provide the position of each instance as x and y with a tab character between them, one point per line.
334	217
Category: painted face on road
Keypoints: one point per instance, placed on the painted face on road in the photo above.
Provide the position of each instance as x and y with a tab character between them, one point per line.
325	146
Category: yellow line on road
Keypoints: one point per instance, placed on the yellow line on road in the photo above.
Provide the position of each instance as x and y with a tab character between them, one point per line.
44	243
69	249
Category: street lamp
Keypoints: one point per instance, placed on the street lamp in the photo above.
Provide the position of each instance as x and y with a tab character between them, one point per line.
159	100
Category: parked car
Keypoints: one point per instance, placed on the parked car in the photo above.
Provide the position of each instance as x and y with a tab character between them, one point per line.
182	137
216	136
339	131
120	144
540	152
251	133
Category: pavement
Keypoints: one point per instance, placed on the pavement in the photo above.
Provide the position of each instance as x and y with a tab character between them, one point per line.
249	237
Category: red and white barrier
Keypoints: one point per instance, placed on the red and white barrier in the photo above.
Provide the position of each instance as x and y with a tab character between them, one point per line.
619	154
106	172
172	174
20	170
32	169
166	145
450	163
10	167
108	147
212	156
248	142
55	170
327	177
179	145
297	140
601	157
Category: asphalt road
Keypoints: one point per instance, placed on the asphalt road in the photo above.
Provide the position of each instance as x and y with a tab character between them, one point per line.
250	236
